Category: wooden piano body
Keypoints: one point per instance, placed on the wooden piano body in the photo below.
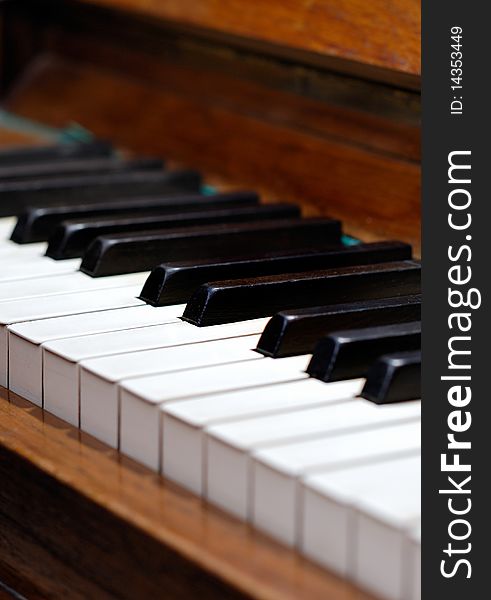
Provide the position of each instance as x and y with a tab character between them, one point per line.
315	102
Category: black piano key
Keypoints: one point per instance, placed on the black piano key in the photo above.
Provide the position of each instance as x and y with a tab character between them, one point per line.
38	224
350	353
296	332
63	152
127	253
238	300
16	196
86	166
394	378
174	282
71	238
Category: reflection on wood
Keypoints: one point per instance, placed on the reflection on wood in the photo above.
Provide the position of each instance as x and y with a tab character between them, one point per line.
381	33
375	194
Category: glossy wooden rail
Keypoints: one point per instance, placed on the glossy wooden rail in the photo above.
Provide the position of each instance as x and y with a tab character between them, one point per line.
16	138
382	34
338	145
375	194
78	520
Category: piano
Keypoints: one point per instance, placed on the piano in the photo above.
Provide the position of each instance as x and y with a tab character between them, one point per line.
210	300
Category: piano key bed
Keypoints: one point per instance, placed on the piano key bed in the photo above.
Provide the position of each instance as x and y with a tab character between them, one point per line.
287	396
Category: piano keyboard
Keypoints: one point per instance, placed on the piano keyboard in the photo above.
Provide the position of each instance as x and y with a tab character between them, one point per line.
288	392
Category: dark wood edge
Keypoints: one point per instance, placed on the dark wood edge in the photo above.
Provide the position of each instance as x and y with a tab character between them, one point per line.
283	69
375	194
339	145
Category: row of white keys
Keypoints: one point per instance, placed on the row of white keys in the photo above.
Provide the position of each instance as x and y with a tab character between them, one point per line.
186	358
276	471
62	397
226	462
65	284
361	522
21	252
35	267
26	340
184	425
142	399
7	225
44	307
62	358
204	466
100	392
27	261
35	288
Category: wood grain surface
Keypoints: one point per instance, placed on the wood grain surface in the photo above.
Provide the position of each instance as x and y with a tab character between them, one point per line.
81	521
11	138
383	34
340	146
376	194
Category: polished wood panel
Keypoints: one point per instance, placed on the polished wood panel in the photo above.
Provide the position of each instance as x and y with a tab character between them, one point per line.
353	34
366	113
376	194
84	522
339	145
16	138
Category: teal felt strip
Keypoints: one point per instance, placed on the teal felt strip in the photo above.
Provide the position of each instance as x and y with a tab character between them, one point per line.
347	240
208	190
72	133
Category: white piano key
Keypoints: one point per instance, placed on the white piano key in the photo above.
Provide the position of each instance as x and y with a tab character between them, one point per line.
228	446
7	225
62	357
276	471
65	284
12	255
25	374
11	250
384	520
414	576
142	398
99	391
28	309
188	418
27	264
356	521
24	268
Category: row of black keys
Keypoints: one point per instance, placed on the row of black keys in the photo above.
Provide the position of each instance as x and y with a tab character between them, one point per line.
126	216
